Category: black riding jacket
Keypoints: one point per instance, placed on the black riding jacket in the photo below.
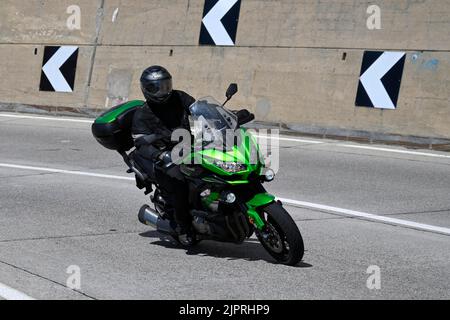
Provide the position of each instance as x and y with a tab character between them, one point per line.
162	119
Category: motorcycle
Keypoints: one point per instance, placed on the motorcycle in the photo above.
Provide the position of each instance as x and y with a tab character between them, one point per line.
227	200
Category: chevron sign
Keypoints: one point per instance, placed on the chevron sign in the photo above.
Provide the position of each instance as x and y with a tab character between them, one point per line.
381	76
59	68
220	22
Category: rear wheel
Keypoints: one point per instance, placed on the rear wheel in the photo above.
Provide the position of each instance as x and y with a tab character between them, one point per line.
281	237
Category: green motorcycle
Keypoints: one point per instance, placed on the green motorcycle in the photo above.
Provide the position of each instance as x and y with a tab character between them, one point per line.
228	202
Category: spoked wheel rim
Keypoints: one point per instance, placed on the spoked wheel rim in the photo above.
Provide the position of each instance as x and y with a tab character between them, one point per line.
275	239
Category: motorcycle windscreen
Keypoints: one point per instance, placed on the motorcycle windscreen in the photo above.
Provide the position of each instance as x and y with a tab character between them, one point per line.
210	122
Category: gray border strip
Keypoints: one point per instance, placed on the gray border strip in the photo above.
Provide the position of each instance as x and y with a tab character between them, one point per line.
368	137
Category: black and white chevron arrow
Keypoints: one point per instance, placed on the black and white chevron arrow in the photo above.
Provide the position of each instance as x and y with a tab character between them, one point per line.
381	76
59	68
220	22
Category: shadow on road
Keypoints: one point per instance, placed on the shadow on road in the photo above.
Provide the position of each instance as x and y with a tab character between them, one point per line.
250	250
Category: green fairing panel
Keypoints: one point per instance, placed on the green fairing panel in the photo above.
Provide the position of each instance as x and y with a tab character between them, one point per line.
257	201
112	114
261	199
241	154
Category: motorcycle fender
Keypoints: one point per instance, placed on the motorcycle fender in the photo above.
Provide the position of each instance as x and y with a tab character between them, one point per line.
259	200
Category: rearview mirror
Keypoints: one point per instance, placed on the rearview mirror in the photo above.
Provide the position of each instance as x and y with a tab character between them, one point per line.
231	91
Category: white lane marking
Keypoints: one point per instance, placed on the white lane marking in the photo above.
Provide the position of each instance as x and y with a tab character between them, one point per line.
416	153
45	118
283	138
78	173
369	216
9	293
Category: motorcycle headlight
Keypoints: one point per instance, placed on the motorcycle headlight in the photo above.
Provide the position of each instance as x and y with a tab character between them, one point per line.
231	167
269	175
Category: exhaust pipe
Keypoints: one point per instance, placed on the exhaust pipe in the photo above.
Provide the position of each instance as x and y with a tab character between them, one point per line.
150	217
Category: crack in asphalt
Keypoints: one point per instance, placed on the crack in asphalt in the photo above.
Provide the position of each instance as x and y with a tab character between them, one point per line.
47	279
26	175
306	145
69	236
417	212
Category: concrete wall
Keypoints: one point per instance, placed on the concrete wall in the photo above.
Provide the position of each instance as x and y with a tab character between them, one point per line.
288	59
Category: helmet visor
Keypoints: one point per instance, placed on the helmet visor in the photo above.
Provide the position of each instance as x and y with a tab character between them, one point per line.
159	89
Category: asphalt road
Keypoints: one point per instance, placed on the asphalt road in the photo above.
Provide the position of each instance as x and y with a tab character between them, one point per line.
50	221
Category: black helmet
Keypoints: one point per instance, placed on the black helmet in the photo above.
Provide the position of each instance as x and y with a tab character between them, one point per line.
156	84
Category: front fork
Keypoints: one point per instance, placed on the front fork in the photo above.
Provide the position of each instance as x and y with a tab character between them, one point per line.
259	200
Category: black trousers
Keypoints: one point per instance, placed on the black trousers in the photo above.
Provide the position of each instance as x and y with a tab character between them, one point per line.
169	179
173	182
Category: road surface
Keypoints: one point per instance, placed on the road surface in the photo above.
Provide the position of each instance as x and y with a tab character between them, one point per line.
66	201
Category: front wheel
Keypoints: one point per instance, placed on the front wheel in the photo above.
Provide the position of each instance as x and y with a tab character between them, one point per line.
281	237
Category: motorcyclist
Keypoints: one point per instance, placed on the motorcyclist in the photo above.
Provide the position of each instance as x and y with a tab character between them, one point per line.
164	111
